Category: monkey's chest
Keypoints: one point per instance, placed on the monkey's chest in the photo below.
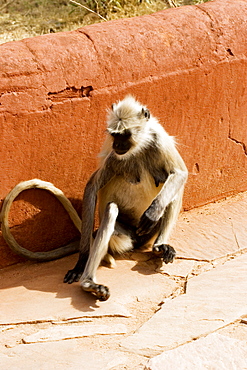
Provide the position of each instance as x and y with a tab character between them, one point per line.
131	196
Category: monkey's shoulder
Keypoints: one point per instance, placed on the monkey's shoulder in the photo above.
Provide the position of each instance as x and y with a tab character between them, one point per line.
154	163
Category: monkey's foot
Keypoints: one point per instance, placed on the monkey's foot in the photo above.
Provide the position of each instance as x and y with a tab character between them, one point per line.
165	251
72	276
100	291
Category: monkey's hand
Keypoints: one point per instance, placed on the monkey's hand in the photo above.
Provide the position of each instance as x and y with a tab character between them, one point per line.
148	220
76	273
72	276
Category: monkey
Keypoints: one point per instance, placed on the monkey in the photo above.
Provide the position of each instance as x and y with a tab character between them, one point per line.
139	187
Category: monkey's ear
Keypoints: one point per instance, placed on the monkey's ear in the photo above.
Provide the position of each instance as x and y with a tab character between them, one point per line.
145	113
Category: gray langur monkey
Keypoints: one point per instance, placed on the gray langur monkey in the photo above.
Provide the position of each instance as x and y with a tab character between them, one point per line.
139	187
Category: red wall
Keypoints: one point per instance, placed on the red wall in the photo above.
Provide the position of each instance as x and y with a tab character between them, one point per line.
188	65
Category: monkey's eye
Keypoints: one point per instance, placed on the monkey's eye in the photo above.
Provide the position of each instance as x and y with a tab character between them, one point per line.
145	113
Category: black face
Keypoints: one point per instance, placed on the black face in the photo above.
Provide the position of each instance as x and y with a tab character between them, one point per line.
121	142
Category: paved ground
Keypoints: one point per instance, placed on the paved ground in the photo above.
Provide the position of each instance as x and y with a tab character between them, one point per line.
191	314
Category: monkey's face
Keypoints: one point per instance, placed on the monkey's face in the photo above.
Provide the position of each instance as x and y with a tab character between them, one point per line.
127	123
121	142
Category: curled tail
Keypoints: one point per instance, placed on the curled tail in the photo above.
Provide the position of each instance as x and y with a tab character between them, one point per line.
9	238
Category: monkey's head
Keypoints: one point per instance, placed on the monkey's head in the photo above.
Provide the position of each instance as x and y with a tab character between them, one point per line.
127	125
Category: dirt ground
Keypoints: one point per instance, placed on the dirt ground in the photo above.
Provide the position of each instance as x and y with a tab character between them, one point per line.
26	18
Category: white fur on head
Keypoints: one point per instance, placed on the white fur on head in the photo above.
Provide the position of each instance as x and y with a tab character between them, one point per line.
126	114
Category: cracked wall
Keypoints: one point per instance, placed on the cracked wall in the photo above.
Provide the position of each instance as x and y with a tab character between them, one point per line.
188	65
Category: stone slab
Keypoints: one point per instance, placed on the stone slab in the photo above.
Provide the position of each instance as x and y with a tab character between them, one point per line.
67	354
212	231
36	292
216	351
213	300
237	330
179	268
71	331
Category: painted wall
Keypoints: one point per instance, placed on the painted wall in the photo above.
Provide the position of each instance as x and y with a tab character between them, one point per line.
188	65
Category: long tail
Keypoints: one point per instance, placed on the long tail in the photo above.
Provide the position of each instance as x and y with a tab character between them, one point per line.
38	256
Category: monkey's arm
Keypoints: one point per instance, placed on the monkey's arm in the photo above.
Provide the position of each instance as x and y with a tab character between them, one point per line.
177	176
95	183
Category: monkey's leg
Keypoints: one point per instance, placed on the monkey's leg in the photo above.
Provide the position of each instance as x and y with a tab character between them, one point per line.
161	248
98	250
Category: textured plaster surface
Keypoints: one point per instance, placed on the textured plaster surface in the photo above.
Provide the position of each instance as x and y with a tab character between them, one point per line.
188	65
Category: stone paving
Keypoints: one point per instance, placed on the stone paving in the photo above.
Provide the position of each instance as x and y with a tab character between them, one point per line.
191	314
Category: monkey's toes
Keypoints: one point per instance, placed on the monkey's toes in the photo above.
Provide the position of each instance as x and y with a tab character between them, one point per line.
100	291
166	251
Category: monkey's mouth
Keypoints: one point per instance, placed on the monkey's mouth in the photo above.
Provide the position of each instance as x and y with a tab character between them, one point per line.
121	151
